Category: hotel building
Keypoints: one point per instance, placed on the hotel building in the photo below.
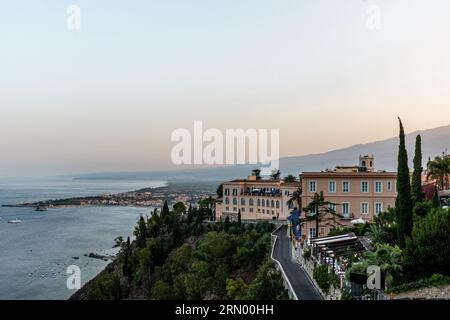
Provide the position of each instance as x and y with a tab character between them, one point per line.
256	199
354	191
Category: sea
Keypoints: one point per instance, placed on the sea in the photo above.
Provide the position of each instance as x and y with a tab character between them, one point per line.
35	254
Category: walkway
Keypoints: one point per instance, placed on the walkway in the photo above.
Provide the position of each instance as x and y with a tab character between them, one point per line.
300	282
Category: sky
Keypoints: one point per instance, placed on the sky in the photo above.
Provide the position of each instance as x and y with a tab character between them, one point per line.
108	96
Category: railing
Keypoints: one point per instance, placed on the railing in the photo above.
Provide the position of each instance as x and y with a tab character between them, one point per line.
286	282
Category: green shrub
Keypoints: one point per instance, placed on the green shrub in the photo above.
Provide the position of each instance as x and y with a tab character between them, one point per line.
434	280
322	277
307	254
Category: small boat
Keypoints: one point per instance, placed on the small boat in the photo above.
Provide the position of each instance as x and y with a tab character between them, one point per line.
15	221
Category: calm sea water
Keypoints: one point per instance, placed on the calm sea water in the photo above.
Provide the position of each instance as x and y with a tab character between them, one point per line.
35	254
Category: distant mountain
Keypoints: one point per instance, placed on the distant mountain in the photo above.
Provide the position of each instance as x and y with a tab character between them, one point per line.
434	142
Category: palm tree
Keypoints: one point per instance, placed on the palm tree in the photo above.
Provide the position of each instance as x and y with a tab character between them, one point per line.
290	178
387	257
257	173
319	207
439	170
275	175
377	234
296	197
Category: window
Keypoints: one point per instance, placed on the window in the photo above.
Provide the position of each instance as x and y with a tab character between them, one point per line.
259	202
243	209
291	205
272	204
378	187
346	209
312	211
312	186
389	185
378	208
312	232
227	192
364	186
235	201
251	209
250	202
278	204
333	207
227	200
227	208
242	201
332	186
234	192
346	187
263	202
364	208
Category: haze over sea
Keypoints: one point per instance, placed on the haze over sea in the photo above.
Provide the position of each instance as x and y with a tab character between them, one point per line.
35	254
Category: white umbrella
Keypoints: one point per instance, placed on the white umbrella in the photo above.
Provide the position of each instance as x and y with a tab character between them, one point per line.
358	221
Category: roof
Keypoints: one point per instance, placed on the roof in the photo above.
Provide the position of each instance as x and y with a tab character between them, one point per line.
269	181
349	174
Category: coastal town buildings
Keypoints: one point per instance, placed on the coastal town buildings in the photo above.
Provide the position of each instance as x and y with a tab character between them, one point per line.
354	192
256	199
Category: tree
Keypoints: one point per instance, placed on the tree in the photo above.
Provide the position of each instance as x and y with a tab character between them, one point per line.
290	178
267	285
439	170
436	202
141	233
376	234
404	201
219	191
257	173
275	175
319	207
239	218
236	289
179	208
416	185
388	258
296	197
428	250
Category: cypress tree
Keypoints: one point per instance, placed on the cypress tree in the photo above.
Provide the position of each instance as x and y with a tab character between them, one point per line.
404	201
436	202
416	186
239	218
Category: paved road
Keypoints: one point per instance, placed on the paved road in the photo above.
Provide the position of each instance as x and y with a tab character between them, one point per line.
298	278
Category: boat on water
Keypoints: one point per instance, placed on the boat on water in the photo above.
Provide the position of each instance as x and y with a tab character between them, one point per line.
15	221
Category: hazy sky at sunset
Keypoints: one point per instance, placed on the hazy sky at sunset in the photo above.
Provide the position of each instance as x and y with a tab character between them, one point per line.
107	97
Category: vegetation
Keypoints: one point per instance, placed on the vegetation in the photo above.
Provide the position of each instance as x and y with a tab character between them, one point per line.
319	207
257	173
275	175
416	184
428	250
325	279
290	178
179	256
296	198
434	280
439	170
404	200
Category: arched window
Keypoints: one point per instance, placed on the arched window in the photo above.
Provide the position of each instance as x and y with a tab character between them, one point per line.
263	202
250	202
234	201
227	200
272	204
259	202
242	201
278	204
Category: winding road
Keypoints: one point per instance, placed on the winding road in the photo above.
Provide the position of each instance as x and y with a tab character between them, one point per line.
300	281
